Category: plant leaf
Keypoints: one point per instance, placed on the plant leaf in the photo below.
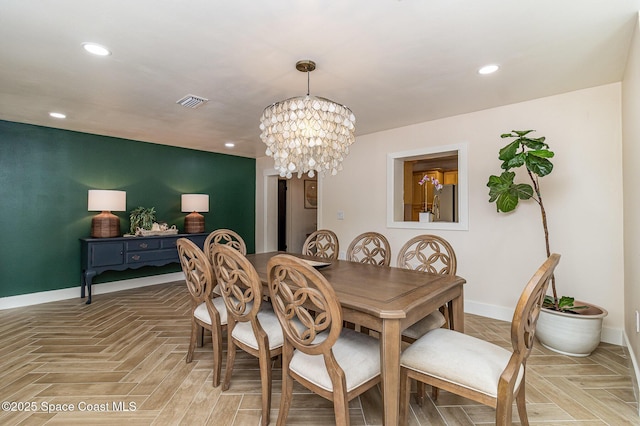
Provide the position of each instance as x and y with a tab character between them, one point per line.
534	143
565	302
543	153
506	202
514	162
509	151
521	133
495	184
538	165
505	193
523	190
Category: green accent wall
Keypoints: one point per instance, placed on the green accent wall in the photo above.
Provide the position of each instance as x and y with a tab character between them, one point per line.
45	174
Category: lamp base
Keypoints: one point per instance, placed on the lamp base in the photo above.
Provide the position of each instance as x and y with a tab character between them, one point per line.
194	223
105	225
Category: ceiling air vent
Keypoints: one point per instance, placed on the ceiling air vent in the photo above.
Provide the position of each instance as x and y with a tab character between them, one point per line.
192	101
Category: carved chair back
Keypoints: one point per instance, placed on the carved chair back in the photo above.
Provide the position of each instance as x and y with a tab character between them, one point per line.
527	310
428	253
198	273
239	283
300	293
322	243
225	237
371	248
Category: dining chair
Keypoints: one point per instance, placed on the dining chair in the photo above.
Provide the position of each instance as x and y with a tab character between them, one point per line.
336	363
322	243
226	237
434	254
474	368
207	312
252	324
371	248
427	253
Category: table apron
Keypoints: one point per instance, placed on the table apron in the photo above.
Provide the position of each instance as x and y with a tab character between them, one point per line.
421	311
361	318
414	315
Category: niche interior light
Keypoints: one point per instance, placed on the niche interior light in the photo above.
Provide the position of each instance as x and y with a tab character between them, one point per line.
307	134
106	224
57	115
194	204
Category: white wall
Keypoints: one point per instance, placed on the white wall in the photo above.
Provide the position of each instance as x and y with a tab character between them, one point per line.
266	206
631	179
300	221
499	252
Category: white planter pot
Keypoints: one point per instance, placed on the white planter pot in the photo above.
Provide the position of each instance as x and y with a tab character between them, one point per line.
425	217
571	334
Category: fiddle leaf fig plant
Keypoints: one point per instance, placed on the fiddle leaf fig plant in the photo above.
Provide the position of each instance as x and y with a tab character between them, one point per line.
534	155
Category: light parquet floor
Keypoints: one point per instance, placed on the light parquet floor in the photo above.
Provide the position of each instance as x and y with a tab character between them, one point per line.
121	360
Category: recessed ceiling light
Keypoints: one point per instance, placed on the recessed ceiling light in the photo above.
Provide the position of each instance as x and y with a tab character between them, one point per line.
96	49
229	144
488	69
57	115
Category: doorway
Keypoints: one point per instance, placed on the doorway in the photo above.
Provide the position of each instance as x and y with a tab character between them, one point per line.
291	216
282	215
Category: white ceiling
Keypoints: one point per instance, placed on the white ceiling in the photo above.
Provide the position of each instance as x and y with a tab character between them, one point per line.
393	62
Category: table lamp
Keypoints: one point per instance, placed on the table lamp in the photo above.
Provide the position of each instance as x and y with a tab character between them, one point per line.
194	203
106	224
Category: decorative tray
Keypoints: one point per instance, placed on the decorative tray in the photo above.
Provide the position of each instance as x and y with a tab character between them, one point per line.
148	233
153	232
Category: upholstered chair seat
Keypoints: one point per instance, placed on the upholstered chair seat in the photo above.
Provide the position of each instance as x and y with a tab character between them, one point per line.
202	313
356	353
432	321
243	332
462	359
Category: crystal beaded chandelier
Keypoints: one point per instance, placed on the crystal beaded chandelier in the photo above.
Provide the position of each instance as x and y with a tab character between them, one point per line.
307	134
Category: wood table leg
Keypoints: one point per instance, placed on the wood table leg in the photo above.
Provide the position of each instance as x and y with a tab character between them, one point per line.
390	344
456	311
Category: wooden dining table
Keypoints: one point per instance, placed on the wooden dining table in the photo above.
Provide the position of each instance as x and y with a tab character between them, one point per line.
388	300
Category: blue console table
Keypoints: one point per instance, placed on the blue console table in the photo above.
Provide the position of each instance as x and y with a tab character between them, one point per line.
120	253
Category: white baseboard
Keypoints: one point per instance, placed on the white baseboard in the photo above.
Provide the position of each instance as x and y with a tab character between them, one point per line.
74	292
636	370
609	335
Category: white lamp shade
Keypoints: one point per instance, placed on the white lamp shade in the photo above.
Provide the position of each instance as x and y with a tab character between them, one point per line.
195	202
107	200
